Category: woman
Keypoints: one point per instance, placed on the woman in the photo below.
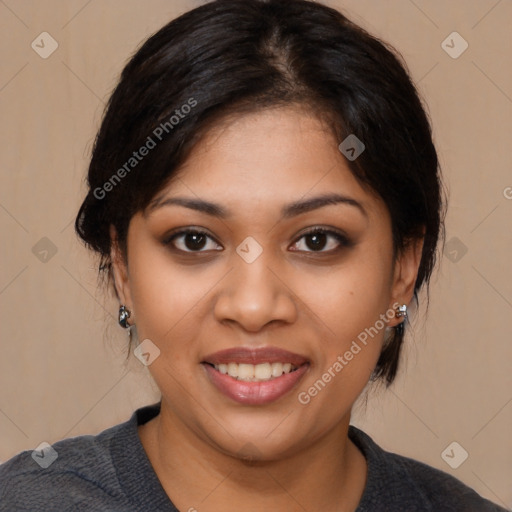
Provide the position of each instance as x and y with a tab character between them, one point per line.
265	199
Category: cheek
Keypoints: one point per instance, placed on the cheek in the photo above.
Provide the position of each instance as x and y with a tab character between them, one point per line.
353	296
346	363
353	302
165	297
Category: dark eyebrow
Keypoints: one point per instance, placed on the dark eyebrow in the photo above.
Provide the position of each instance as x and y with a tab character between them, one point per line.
314	203
288	211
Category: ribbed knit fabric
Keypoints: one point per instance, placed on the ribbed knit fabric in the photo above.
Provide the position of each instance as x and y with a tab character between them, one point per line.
111	472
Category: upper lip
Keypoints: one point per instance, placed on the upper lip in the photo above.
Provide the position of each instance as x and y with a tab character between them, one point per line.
247	355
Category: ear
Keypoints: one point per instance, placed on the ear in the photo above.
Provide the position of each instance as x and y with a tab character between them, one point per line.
120	271
405	274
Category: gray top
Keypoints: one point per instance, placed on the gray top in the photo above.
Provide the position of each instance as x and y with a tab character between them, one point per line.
111	472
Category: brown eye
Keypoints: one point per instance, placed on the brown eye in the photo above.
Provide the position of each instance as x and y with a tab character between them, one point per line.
318	239
190	240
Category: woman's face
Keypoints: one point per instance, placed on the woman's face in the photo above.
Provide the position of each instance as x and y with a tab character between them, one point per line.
299	317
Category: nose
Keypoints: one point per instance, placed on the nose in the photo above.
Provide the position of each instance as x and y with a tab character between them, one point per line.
254	295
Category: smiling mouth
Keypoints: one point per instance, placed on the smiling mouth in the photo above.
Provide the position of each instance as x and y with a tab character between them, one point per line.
254	372
255	376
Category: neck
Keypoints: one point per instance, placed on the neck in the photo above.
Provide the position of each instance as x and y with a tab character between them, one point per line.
328	475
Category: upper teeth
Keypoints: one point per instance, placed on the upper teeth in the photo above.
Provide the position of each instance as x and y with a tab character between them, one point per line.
255	372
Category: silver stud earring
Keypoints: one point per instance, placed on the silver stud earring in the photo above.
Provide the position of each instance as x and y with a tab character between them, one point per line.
124	314
401	311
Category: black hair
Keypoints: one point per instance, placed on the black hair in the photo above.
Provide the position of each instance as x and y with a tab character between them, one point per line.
228	57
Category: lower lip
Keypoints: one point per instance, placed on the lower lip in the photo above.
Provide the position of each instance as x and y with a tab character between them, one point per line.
255	393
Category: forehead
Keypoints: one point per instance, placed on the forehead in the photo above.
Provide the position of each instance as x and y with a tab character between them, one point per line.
270	152
272	155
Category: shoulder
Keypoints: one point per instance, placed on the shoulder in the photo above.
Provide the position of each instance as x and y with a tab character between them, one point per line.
64	475
395	482
442	490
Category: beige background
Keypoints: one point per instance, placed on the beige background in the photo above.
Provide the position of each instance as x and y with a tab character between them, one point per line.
62	364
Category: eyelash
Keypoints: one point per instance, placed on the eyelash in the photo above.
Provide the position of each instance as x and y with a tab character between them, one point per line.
344	242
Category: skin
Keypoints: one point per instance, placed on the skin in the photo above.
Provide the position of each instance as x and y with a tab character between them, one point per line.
313	302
